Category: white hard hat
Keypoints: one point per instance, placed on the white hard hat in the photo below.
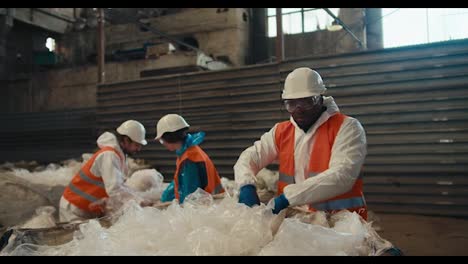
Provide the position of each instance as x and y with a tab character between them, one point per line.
170	123
303	82
134	130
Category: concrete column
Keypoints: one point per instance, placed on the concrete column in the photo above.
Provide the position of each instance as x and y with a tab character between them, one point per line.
6	23
259	48
279	36
374	28
101	47
354	18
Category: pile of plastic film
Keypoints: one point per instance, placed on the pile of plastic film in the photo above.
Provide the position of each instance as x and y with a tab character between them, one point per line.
204	226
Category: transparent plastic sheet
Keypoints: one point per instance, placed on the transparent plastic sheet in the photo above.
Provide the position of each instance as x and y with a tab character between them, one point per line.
229	186
27	189
305	216
28	165
51	175
349	235
148	183
35	241
117	203
374	245
266	182
7	166
297	238
135	165
144	180
207	226
43	218
224	228
26	250
59	174
198	198
267	179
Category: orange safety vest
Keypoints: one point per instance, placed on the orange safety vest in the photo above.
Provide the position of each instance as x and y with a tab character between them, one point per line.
196	154
86	188
352	200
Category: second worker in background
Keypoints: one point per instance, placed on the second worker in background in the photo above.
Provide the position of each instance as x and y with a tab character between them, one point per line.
194	168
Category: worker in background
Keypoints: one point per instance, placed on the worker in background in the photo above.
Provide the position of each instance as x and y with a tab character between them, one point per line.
194	169
103	174
320	152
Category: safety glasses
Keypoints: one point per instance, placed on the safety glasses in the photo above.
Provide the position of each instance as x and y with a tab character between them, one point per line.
308	103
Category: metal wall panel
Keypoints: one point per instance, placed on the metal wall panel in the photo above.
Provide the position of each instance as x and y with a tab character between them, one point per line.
47	136
412	101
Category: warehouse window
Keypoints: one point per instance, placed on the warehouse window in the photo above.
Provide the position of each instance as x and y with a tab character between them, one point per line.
300	20
410	26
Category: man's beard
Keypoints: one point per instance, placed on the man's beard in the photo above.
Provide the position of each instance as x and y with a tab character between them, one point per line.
128	153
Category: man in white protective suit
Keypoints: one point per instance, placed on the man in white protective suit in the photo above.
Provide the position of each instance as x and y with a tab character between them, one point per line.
103	174
320	152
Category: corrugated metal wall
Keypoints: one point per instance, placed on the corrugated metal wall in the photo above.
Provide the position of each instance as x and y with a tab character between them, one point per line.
219	103
47	136
413	103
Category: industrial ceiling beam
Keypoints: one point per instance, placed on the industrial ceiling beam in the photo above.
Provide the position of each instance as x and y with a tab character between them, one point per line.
157	32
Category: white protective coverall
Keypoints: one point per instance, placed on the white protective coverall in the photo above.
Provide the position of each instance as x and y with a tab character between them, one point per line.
108	166
348	154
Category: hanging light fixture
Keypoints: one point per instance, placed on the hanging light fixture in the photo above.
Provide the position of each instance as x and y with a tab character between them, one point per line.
335	26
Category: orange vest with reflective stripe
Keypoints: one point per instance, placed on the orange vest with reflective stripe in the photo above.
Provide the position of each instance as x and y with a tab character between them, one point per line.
86	188
196	154
353	200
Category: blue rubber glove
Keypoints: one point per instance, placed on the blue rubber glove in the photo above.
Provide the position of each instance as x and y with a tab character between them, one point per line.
393	251
280	203
168	194
248	195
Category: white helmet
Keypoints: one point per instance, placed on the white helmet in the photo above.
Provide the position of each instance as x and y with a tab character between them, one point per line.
170	123
134	130
303	82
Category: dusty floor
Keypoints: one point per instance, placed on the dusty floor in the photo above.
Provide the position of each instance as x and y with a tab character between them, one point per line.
418	235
